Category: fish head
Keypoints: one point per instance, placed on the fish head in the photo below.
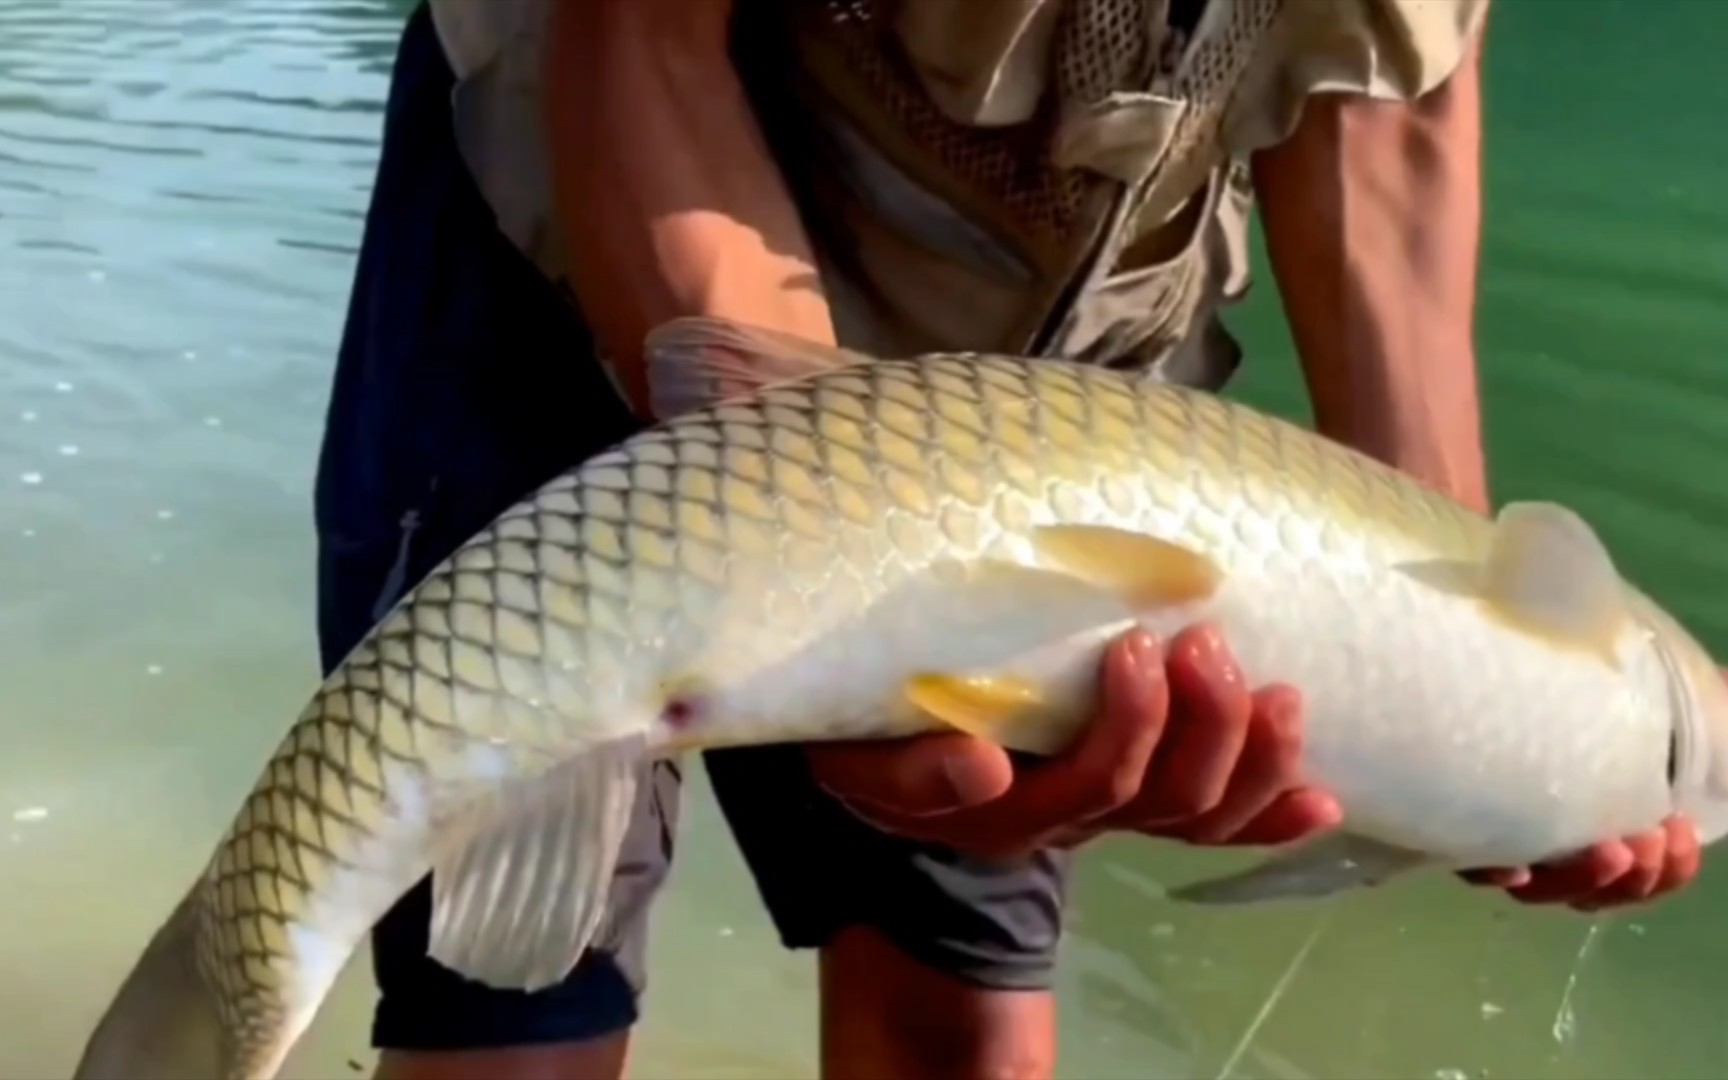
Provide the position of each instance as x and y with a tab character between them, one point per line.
1698	703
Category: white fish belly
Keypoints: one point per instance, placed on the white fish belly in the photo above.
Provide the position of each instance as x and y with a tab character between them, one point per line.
1446	732
1439	728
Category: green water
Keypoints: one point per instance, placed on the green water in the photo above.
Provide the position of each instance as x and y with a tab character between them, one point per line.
181	185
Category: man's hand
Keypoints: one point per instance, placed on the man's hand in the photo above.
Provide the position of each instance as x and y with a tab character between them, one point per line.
1611	874
1635	870
1182	749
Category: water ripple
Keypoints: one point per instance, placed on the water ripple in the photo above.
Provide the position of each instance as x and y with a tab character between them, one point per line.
180	188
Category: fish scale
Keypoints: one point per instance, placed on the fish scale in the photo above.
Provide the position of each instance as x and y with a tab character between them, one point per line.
775	564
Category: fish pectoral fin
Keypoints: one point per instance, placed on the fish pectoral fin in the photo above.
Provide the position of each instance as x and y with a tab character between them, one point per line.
1549	574
518	894
1318	868
1002	709
1146	571
698	361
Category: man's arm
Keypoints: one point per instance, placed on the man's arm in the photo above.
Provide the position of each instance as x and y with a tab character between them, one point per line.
667	196
671	205
1372	214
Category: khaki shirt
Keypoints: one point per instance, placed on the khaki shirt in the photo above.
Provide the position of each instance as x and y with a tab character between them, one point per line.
1116	238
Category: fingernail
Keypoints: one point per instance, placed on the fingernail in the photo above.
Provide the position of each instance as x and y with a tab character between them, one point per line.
1212	647
1214	655
1142	649
970	781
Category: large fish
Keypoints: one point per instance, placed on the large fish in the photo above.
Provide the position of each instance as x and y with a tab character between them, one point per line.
823	546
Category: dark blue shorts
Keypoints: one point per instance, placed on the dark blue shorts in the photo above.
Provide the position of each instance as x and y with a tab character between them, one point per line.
464	379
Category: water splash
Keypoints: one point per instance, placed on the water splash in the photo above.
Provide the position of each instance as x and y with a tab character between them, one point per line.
1565	1019
1297	959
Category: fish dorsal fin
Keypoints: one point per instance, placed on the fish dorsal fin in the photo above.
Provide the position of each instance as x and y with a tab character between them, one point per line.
699	361
520	887
1548	573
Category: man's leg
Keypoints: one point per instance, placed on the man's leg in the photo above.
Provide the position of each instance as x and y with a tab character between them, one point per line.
885	1014
932	964
460	385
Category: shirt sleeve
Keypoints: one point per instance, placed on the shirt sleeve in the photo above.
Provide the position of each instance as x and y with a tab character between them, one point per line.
1388	50
476	34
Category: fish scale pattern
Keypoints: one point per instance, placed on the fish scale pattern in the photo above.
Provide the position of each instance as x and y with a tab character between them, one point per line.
805	498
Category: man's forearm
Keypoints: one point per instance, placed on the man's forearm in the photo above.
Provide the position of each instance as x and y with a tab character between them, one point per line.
1372	214
668	198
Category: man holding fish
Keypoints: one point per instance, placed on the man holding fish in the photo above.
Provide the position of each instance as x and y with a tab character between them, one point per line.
1054	177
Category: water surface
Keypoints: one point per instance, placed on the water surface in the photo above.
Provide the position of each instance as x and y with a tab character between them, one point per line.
181	190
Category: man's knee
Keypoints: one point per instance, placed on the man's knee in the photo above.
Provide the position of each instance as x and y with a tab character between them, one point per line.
885	1013
596	1059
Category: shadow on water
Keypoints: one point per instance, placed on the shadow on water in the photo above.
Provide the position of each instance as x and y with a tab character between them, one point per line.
181	185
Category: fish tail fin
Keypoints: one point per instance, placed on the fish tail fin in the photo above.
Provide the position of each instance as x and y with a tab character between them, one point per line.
163	1023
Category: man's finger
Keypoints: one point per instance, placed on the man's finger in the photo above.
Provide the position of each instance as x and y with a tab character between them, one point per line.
1101	772
913	777
1499	877
1683	855
1292	816
1583	874
1209	714
1649	853
1269	766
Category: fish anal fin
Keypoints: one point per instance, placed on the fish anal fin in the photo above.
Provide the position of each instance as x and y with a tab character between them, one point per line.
699	361
1318	868
1146	571
520	892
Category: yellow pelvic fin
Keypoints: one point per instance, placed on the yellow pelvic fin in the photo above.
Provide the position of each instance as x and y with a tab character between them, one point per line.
1001	708
1145	570
1548	574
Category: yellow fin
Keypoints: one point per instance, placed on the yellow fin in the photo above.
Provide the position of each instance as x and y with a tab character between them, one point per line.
1147	571
1003	709
699	361
1548	573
